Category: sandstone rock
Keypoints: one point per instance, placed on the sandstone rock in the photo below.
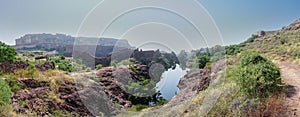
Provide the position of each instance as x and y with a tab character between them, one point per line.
46	66
31	83
10	67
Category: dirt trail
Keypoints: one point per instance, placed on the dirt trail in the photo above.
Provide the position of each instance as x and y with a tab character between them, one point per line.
291	75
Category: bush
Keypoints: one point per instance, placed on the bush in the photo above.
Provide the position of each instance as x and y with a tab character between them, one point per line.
138	108
7	53
202	60
99	66
232	49
32	71
251	39
14	84
282	41
5	93
257	76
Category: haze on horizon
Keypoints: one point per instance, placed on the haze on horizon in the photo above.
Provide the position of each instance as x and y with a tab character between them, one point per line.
236	19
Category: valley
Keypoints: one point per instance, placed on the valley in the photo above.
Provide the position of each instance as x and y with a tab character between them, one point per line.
53	75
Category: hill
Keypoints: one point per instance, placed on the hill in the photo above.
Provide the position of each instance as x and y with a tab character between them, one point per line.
259	77
65	44
223	95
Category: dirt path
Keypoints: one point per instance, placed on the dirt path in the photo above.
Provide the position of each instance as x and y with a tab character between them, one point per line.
291	75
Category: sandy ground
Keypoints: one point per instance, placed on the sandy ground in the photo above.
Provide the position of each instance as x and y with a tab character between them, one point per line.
291	75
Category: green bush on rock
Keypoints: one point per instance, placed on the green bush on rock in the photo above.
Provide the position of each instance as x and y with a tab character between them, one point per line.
257	76
5	93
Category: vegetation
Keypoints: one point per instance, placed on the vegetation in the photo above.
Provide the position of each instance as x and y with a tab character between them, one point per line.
7	53
14	84
99	66
257	76
203	59
233	49
63	64
138	107
5	93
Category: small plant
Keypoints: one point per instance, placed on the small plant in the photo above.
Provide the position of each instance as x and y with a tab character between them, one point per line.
31	71
14	84
137	108
99	66
282	41
5	93
62	57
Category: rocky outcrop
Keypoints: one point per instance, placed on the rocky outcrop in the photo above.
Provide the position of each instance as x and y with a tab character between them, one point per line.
36	99
46	66
31	83
115	81
194	81
10	67
115	92
293	26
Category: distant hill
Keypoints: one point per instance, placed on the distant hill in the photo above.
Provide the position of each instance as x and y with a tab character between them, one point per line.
283	44
64	44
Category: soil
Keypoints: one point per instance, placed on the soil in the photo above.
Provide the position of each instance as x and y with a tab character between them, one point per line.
291	76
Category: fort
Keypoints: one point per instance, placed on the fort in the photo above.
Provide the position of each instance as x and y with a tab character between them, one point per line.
65	44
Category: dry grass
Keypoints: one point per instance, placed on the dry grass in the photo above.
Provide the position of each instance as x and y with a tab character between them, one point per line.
8	111
272	107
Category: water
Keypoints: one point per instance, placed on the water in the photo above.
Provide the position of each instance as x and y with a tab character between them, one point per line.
168	84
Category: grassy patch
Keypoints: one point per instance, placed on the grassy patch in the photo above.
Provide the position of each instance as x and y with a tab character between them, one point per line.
5	93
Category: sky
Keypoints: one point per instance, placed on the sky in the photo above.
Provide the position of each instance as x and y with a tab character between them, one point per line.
235	19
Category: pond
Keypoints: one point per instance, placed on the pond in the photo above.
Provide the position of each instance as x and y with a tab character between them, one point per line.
168	84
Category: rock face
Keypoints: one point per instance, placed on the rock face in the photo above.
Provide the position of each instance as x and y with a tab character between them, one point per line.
46	66
10	67
115	80
36	99
294	26
194	81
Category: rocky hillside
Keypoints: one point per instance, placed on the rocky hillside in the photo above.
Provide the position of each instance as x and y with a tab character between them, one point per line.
218	89
282	45
214	91
57	93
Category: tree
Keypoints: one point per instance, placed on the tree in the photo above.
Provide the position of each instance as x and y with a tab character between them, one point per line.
202	60
7	53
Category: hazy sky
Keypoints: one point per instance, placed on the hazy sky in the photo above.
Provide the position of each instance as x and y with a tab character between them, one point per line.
236	19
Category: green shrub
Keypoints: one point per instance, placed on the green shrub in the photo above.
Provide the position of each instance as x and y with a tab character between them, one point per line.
31	71
137	108
232	49
202	60
5	93
257	76
282	41
62	57
63	65
99	66
14	84
7	53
